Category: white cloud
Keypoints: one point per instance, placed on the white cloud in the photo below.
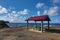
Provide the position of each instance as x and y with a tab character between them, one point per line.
23	12
45	12
15	16
12	15
11	20
14	12
52	11
3	10
56	1
38	13
55	20
19	19
3	18
6	18
22	18
39	5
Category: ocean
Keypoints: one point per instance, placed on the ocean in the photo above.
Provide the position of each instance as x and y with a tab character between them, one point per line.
30	24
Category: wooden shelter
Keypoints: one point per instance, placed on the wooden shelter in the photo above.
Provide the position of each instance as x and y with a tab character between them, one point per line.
39	18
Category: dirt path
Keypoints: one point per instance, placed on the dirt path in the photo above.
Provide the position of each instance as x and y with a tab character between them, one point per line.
19	34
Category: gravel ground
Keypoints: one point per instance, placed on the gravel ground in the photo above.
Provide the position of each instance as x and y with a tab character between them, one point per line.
23	34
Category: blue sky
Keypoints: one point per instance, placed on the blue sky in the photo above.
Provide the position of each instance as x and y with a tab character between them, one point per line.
18	10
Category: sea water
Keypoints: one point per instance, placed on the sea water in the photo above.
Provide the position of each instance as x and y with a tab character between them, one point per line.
24	24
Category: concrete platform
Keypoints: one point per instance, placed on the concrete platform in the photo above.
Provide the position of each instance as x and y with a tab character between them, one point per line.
35	30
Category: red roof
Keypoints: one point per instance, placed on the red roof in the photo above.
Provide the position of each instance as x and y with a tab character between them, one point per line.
39	18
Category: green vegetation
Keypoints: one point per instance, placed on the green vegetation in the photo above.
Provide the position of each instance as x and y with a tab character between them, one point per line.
3	24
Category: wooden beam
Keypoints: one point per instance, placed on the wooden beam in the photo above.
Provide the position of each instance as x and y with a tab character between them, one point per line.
35	24
27	25
48	25
41	26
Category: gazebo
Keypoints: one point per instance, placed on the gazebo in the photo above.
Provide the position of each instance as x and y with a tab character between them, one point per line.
39	18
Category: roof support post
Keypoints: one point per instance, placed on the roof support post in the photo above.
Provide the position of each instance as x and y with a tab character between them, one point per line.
27	25
41	26
35	24
48	25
